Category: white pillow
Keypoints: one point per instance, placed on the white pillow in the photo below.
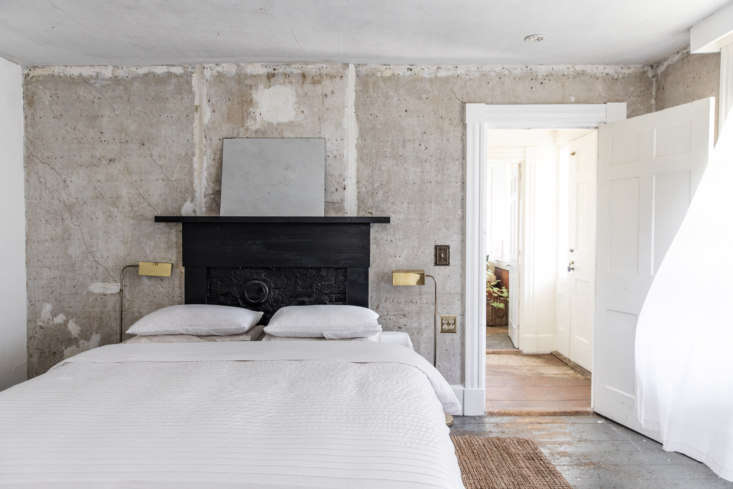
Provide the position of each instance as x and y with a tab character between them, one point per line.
253	334
327	321
196	319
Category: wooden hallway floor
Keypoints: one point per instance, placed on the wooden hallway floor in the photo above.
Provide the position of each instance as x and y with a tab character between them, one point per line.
534	385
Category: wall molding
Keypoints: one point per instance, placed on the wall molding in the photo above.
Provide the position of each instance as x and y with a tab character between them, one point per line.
474	402
712	35
479	119
725	92
458	390
713	32
536	343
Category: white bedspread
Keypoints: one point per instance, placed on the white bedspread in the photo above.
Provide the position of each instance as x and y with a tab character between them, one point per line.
358	415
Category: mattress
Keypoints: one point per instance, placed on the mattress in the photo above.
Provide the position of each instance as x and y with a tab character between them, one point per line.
268	415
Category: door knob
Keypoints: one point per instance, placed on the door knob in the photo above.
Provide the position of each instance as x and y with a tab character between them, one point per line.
571	266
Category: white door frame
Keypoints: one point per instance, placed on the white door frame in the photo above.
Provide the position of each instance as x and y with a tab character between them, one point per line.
479	119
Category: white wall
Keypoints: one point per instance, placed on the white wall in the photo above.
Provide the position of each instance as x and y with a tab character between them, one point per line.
12	213
499	242
538	278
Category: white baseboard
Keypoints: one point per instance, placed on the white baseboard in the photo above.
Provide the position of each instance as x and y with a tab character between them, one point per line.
458	391
536	343
474	402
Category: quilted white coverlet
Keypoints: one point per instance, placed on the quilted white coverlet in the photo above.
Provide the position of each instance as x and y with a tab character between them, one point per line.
274	415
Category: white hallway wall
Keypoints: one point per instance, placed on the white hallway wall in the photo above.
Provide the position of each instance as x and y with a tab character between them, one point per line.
538	150
12	214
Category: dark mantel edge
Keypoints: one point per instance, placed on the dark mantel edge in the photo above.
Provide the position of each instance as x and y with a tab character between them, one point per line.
277	219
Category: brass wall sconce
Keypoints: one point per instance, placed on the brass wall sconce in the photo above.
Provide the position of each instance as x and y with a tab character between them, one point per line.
410	278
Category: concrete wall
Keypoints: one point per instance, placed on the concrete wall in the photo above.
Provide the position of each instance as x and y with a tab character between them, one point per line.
105	151
411	166
108	148
12	214
686	77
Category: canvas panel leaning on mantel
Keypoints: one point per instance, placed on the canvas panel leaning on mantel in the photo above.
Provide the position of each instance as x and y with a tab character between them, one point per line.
273	177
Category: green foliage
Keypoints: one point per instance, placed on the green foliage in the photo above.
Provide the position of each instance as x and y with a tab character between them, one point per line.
495	291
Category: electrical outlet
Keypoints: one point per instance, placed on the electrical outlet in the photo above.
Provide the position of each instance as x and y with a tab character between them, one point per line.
448	324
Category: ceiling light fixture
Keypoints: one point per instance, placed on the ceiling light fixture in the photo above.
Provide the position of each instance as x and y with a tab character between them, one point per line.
534	38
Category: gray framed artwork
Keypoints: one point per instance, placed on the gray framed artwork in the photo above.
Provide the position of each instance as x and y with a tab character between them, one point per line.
273	177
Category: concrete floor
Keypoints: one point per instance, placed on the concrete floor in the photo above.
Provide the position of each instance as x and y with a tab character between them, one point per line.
592	452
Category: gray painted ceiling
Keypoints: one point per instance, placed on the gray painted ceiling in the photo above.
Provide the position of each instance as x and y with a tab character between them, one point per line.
144	32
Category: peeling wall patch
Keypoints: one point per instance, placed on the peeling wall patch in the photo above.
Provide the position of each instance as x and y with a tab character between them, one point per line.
104	71
351	136
428	71
274	104
188	208
659	68
46	311
83	345
201	117
105	288
73	328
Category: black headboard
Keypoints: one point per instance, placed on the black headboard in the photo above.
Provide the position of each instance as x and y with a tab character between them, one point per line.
264	263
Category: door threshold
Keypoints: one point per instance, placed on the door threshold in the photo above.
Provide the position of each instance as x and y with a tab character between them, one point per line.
539	412
502	351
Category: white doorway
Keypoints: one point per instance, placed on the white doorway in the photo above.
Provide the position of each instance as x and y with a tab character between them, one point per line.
648	169
480	120
540	231
503	226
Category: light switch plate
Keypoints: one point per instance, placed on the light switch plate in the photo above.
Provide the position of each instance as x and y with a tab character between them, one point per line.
448	324
442	255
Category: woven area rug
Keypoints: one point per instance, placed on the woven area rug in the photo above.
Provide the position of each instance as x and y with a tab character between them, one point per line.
505	463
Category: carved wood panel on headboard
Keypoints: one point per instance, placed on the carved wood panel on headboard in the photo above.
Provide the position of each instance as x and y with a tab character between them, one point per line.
267	263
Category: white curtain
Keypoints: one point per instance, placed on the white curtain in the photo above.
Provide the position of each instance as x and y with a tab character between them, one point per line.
684	336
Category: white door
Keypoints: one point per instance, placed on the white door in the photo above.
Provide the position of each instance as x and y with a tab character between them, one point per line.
581	252
502	227
514	228
648	168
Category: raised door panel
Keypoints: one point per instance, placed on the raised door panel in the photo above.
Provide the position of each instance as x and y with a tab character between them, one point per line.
648	169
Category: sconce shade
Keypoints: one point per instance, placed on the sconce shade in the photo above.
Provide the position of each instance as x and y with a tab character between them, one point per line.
401	278
154	269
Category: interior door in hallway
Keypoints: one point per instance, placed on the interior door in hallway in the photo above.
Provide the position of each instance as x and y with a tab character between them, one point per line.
648	169
582	247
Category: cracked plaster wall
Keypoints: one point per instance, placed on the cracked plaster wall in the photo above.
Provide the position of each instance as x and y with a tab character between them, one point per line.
107	148
686	77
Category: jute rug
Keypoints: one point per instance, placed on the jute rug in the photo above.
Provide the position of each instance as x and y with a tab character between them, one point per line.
505	463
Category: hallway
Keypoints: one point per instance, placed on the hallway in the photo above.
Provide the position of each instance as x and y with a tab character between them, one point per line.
497	338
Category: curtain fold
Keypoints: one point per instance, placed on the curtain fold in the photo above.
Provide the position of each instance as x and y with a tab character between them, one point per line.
684	335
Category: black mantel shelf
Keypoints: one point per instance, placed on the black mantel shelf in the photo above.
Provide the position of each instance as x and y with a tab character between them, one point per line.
277	219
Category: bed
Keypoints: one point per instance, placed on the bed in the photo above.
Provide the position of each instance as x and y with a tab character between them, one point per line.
270	415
